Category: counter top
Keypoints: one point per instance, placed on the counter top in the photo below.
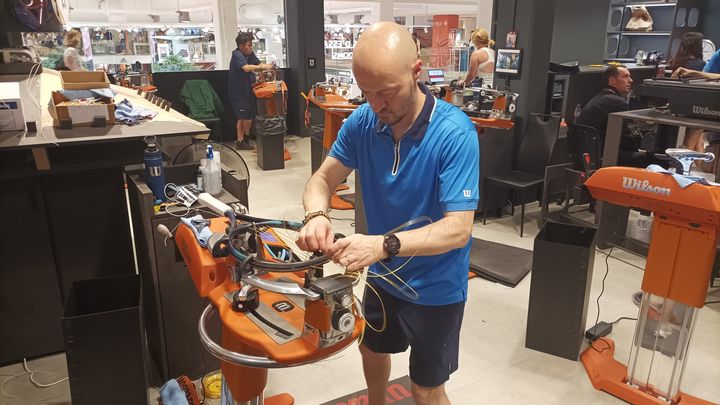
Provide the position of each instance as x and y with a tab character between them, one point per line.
36	93
652	115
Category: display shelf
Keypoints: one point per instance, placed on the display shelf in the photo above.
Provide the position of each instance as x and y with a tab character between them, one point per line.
641	33
651	3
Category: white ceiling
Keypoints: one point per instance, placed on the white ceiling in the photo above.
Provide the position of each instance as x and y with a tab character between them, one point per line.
122	12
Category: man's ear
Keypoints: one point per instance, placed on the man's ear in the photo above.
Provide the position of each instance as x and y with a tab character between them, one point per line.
417	69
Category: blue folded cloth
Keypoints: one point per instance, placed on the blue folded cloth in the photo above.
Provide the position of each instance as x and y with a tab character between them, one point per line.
172	394
682	181
80	94
127	114
200	227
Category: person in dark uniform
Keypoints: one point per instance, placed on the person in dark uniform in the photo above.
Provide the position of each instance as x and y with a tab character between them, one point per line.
241	78
612	98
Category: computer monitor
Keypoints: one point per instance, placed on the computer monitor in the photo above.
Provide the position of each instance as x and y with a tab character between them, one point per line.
508	62
436	76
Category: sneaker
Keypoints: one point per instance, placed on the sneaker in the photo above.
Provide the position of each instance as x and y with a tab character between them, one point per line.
243	145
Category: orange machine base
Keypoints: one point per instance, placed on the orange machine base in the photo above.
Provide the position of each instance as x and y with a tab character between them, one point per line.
607	374
338	203
279	399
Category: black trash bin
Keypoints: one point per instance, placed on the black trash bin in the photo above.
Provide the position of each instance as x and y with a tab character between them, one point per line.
270	142
104	341
562	265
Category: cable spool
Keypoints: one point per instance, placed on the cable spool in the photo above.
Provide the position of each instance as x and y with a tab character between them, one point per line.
212	384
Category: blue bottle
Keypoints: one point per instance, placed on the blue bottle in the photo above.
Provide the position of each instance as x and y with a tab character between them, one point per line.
154	175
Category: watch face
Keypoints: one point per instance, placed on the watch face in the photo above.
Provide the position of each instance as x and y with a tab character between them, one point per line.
392	245
708	49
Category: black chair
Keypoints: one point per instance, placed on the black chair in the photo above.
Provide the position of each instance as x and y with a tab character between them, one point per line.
584	153
533	156
583	139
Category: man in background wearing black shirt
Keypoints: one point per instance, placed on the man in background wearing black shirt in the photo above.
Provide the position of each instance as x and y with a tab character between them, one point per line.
612	98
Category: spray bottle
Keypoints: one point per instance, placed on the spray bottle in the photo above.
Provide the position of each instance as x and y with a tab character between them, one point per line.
211	173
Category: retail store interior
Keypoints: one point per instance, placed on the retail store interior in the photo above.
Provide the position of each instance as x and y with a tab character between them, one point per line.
164	163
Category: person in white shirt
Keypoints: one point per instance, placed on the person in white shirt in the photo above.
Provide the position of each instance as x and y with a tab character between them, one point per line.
71	56
482	61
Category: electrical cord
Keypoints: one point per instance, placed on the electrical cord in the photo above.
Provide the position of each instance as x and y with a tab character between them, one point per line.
712	302
621	318
597	302
37	384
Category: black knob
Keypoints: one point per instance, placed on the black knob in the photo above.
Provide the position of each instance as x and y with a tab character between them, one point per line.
246	303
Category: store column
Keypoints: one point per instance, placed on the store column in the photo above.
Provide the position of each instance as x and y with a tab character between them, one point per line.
381	11
226	29
305	25
484	15
533	22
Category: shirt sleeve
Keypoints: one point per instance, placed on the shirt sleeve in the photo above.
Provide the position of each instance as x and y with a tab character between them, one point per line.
344	148
72	59
713	65
238	60
460	172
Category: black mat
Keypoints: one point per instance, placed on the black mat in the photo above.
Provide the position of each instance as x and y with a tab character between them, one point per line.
397	393
500	263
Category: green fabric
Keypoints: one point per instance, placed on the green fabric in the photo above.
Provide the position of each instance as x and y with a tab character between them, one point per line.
201	99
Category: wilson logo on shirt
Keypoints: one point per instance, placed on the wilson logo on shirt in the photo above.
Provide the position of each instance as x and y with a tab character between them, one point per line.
467	193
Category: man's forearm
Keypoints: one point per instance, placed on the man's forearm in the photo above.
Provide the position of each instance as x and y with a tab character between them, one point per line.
433	239
316	196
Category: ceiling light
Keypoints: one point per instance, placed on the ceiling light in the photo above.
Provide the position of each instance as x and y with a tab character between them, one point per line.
183	16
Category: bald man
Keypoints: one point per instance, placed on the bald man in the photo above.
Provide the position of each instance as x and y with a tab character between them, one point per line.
417	157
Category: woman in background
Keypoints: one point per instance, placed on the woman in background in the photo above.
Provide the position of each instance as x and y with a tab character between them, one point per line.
71	56
689	54
482	61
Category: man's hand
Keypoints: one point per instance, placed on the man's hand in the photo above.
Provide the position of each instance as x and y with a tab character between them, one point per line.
265	66
357	251
316	235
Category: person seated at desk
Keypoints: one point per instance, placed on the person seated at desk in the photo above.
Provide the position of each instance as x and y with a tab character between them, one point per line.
612	98
694	136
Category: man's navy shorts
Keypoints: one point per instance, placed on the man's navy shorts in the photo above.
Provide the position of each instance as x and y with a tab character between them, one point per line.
244	109
432	332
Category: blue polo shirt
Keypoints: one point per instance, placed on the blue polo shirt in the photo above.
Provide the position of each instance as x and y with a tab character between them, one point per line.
239	81
433	169
713	65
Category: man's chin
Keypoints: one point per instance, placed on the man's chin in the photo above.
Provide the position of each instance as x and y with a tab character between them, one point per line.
388	120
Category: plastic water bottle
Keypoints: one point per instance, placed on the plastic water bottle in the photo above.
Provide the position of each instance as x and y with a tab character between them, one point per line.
576	114
154	174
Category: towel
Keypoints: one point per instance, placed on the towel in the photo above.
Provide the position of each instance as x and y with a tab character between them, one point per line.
172	394
200	227
682	181
127	114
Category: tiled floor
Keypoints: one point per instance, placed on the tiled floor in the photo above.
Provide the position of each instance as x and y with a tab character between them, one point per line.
495	367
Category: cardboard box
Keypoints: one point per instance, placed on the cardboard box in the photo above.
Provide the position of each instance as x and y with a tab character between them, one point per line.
75	80
81	115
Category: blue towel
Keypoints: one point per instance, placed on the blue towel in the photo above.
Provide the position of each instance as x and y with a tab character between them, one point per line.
80	94
200	227
172	394
682	181
127	114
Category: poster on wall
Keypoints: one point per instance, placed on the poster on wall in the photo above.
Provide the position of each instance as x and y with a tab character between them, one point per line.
163	51
183	51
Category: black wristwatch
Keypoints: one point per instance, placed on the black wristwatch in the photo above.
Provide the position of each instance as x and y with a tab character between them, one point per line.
391	244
